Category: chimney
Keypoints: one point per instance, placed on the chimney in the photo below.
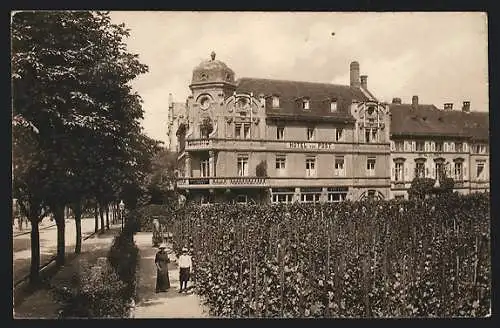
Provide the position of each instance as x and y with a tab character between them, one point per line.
466	106
354	69
448	106
396	101
364	81
414	102
170	101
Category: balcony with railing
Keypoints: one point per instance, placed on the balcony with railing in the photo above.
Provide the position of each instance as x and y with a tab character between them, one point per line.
211	182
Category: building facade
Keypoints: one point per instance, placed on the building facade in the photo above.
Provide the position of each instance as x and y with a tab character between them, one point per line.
282	141
177	115
261	140
427	141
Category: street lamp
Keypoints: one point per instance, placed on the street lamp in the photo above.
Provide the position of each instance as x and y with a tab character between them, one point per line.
122	207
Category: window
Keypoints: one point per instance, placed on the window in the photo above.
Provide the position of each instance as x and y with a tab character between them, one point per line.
420	146
459	147
246	131
280	163
370	166
336	194
242	166
276	101
282	195
458	171
305	104
333	106
371	135
237	131
480	149
420	170
338	134
479	170
371	194
242	127
310	134
241	199
204	168
399	145
280	133
439	170
310	195
398	171
339	166
310	167
439	146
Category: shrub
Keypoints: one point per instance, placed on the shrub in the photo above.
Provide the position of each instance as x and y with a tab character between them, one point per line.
351	259
124	259
93	294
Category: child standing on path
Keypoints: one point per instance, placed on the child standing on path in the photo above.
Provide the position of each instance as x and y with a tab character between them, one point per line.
185	265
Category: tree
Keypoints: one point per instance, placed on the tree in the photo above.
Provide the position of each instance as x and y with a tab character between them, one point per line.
70	79
161	180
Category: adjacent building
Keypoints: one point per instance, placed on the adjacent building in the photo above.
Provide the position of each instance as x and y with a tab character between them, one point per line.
427	141
177	114
262	140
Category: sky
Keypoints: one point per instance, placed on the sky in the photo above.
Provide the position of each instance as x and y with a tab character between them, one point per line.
441	57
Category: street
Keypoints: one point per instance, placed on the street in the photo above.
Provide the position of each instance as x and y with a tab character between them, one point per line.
48	244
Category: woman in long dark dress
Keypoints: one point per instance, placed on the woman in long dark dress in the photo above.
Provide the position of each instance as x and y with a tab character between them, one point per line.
161	261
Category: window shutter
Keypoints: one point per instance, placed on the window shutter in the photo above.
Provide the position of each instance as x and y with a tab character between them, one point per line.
433	146
393	147
427	147
452	146
465	147
406	173
464	168
413	146
393	173
405	146
445	146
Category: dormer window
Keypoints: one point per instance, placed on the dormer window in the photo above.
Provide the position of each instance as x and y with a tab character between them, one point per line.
276	102
204	77
333	105
305	104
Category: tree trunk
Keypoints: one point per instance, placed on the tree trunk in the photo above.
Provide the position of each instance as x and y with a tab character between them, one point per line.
35	251
107	216
61	244
78	225
101	213
96	217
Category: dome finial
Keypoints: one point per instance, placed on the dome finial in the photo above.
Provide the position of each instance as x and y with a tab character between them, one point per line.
212	55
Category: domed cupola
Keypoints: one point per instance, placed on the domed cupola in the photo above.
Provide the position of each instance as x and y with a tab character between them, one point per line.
212	71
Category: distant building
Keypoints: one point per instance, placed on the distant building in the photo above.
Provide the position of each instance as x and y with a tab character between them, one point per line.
427	141
263	140
176	116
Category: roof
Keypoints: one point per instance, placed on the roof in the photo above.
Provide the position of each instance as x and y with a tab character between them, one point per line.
291	93
428	120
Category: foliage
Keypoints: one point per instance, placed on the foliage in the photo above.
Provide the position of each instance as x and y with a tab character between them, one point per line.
161	180
76	119
261	169
206	127
373	259
94	294
423	187
145	216
124	259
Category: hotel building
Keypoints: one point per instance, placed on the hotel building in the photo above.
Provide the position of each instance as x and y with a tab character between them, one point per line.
261	140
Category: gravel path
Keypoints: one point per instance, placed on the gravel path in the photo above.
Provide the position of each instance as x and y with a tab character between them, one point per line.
162	305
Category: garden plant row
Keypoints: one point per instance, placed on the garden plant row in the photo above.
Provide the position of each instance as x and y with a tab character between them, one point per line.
351	259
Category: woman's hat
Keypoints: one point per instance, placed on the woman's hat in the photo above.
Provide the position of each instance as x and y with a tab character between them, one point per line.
162	245
184	249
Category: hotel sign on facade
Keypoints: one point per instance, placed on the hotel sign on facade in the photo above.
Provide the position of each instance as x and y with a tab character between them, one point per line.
311	145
